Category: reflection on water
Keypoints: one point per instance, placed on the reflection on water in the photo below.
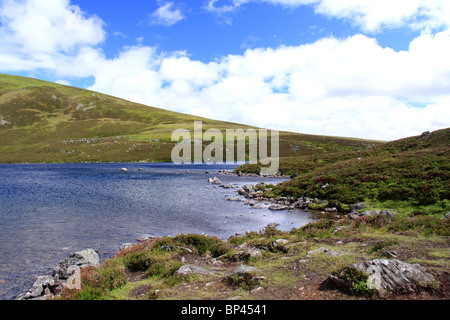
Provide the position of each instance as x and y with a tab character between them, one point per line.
48	211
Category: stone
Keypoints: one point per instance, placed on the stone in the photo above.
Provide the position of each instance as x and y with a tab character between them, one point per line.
81	259
276	207
389	276
370	213
125	246
245	271
214	180
279	243
40	288
246	276
246	252
192	269
357	206
388	212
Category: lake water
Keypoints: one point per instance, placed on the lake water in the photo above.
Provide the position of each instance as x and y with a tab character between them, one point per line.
48	211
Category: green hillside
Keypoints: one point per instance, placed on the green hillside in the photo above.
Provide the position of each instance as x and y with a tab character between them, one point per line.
413	172
46	122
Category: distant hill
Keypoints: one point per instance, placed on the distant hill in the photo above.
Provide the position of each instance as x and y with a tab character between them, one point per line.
46	122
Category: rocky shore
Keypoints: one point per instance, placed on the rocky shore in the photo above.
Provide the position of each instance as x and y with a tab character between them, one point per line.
255	196
386	275
66	275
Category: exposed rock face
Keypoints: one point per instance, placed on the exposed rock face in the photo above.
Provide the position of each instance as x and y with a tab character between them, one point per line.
390	276
387	212
80	260
65	274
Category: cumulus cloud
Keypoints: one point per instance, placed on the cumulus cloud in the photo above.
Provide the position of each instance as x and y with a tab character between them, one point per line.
346	87
370	16
341	87
40	33
166	15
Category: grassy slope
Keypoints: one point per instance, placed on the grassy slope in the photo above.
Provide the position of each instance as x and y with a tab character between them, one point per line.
411	172
46	122
146	271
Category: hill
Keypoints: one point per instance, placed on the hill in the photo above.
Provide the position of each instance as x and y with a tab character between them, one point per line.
46	122
414	171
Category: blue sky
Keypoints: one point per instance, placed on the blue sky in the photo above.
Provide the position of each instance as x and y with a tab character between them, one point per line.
360	68
206	36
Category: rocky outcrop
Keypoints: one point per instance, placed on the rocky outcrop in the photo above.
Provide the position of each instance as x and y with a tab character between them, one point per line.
388	276
214	180
65	275
373	213
245	276
246	252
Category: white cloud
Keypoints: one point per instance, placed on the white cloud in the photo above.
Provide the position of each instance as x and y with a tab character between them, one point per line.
344	87
369	15
167	15
39	33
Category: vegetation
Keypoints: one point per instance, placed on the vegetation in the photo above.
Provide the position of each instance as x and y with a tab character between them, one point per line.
148	270
46	122
414	171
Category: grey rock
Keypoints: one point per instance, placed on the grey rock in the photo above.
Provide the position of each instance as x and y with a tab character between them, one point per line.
370	213
214	180
357	206
38	289
81	259
192	269
245	271
391	276
388	212
276	207
125	246
246	253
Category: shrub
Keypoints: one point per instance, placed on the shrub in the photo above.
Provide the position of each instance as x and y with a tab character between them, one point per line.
204	244
138	261
358	282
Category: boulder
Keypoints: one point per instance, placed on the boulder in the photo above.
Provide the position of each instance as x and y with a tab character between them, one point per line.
81	259
246	253
245	276
214	180
276	207
66	274
389	276
42	286
357	206
244	271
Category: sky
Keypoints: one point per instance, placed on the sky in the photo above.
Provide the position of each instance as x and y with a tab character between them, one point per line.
373	69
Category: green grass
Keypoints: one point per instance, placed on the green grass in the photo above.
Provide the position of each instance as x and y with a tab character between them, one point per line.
46	122
422	239
411	174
